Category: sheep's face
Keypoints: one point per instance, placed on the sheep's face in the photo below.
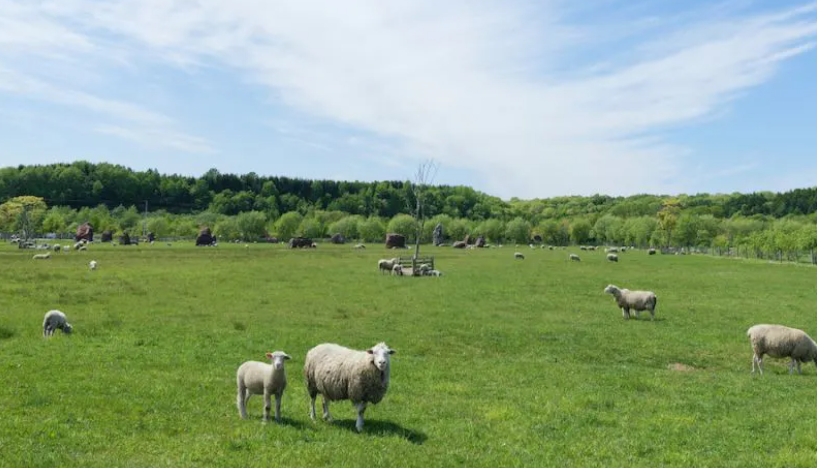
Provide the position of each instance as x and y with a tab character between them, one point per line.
381	356
67	328
609	289
278	358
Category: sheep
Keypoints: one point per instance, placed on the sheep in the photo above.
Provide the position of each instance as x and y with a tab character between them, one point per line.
575	258
53	320
435	273
636	300
651	252
44	256
611	250
780	341
385	265
260	378
623	249
92	265
340	373
83	248
531	246
518	255
57	248
551	248
582	248
397	270
612	258
359	246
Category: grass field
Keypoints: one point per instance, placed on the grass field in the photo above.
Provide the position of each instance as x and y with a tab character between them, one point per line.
499	362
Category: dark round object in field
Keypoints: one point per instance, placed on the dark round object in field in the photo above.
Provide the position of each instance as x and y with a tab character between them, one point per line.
85	231
205	237
651	252
107	236
300	243
151	237
395	240
338	239
537	239
459	245
124	239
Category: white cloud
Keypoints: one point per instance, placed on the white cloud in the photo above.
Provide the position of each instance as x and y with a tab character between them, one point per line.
532	95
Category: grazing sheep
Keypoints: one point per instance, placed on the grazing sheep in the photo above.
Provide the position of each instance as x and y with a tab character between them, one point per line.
612	258
397	270
53	320
636	300
623	249
582	248
575	258
360	246
386	265
340	373
44	256
651	252
518	255
435	273
57	248
612	250
780	341
551	248
83	248
92	264
260	378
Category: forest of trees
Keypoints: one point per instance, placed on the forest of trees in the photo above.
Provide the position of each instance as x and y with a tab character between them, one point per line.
249	207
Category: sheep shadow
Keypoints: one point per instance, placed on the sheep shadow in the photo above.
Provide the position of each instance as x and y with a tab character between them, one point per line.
293	423
374	428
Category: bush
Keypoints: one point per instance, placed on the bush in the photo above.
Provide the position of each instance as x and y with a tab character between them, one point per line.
371	230
287	225
518	230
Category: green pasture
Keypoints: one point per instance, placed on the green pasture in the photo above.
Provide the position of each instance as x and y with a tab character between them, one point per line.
499	363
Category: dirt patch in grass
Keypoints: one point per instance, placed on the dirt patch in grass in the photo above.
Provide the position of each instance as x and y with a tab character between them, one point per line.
677	366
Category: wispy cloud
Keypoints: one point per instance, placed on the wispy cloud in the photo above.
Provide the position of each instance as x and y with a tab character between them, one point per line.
539	97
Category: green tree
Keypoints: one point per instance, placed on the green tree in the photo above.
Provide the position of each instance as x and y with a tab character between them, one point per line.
251	224
580	231
668	217
403	224
287	225
518	230
311	228
372	229
347	227
158	225
492	229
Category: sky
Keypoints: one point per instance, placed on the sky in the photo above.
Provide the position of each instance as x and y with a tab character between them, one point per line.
520	98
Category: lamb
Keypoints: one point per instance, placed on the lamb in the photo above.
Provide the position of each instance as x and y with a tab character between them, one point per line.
575	258
397	270
636	300
518	255
53	320
260	378
92	265
340	373
386	265
44	256
780	341
360	246
612	257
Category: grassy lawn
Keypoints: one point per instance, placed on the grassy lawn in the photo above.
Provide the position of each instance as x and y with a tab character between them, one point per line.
500	362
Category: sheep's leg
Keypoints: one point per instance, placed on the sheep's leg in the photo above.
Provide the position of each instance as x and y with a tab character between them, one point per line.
278	407
754	362
361	408
312	406
241	401
652	314
637	314
798	368
791	366
267	404
625	313
326	415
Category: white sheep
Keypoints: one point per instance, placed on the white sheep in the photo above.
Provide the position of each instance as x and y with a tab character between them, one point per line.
780	341
92	264
397	270
435	273
612	257
636	300
360	246
651	252
611	250
385	265
340	373
574	258
53	320
44	256
518	255
260	378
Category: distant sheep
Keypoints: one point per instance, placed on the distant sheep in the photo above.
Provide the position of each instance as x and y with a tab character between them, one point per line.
92	265
575	258
780	341
435	273
518	255
386	265
612	250
360	246
44	256
397	270
635	300
260	378
651	252
57	248
340	373
54	320
612	258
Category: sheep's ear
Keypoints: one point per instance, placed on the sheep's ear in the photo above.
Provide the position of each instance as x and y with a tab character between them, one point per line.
269	355
287	357
391	351
370	351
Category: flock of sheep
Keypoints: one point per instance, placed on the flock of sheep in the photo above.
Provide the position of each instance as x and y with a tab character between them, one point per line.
393	266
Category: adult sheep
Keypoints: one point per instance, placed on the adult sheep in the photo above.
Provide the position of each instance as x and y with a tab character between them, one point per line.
612	258
385	265
54	320
651	252
340	373
44	256
636	300
575	258
260	378
611	250
518	256
780	341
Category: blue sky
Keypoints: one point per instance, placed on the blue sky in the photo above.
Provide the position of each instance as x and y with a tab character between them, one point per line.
520	98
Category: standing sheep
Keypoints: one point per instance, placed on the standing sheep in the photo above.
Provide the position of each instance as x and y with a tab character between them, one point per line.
612	258
44	256
518	255
397	270
260	378
340	373
780	341
386	265
636	300
575	258
92	265
53	320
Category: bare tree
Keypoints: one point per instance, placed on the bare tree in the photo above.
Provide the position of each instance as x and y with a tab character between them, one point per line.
426	172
